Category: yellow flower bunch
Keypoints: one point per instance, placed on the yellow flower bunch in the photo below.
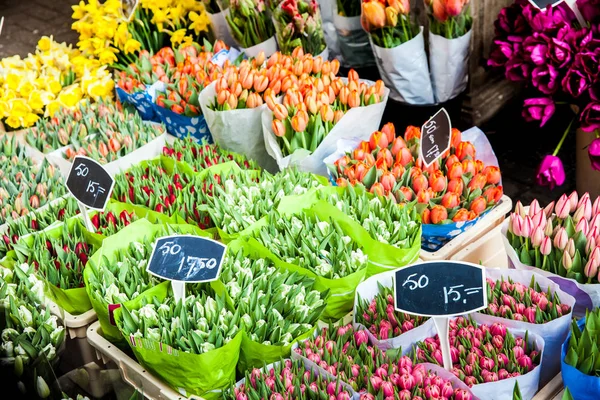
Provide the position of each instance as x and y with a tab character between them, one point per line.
56	75
105	33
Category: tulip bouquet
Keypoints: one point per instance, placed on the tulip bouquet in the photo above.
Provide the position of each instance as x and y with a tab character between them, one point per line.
21	282
483	353
99	131
551	52
384	220
353	40
236	200
322	247
456	188
580	347
375	374
54	76
201	155
310	112
298	24
380	317
178	335
156	193
276	307
395	36
562	238
37	220
108	223
514	300
287	379
25	186
251	25
450	19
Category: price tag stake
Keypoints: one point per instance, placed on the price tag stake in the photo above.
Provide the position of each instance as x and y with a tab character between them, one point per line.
91	185
186	258
440	289
436	135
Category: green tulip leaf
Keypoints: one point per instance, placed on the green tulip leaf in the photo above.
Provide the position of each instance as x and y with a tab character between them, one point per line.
571	358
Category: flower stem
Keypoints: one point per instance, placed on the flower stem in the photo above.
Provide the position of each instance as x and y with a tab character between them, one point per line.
564	136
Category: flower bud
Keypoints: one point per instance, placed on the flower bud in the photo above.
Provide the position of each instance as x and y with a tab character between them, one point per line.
546	246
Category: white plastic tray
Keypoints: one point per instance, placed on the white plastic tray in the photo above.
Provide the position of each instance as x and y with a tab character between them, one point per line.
487	250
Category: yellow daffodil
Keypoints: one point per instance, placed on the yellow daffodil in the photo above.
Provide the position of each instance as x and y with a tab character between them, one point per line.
177	36
131	46
44	43
200	22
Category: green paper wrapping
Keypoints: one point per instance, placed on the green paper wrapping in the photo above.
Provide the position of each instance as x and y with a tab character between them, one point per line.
136	231
75	300
341	291
200	374
382	256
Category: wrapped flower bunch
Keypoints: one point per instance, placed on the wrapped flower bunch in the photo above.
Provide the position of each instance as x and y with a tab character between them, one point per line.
384	219
563	238
145	185
99	131
482	353
37	220
202	155
310	111
234	200
249	22
25	185
287	379
380	317
53	76
298	24
389	23
516	301
457	187
345	353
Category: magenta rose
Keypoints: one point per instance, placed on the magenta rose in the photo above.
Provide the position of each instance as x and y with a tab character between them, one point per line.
538	109
545	78
550	172
594	154
590	117
575	82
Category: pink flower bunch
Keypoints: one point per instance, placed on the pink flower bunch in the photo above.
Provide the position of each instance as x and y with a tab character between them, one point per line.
513	300
563	238
285	381
346	354
481	354
381	318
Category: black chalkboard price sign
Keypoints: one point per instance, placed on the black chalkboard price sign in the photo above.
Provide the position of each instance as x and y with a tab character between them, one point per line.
440	288
186	258
89	183
435	137
542	4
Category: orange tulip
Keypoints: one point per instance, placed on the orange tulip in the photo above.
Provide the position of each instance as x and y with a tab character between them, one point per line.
278	128
456	185
412	132
343	95
464	150
397	145
354	99
379	88
390	131
292	98
280	112
388	180
478	205
254	100
454	7
398	170
426	216
361	170
419	183
221	84
455	171
469	167
352	75
378	139
477	182
260	83
337	115
386	155
377	189
298	52
222	97
299	121
450	200
374	13
493	174
342	162
438	214
461	215
439	10
404	156
456	138
232	101
326	113
269	99
437	181
423	196
406	192
335	66
493	194
317	64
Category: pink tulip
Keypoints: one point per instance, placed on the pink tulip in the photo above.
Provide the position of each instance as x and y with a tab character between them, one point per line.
519	209
432	392
537	237
491	377
573	200
582	226
516	224
596	206
502	359
454	354
498	329
407	326
419	377
330	346
561	238
470	381
360	337
343	396
518	351
519	341
525	362
595	222
493	308
405	362
462	394
539	220
375	382
530	314
563	207
534	208
241	396
548	209
591	268
498	342
313	387
546	246
518	317
387	388
446	389
437	354
527	229
520	308
468	368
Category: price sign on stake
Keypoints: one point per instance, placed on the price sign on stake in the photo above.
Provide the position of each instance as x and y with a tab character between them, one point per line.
435	137
90	184
440	289
186	258
128	8
542	4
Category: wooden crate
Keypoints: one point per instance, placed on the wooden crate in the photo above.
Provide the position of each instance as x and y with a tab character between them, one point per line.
552	391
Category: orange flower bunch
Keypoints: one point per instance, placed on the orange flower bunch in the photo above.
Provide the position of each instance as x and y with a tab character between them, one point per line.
253	82
388	22
449	18
311	109
456	187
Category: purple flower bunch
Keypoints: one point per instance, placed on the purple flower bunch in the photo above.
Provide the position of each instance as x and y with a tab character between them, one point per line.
549	51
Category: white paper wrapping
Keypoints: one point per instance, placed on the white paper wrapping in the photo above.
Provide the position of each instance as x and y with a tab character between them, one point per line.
269	46
326	7
405	71
237	130
449	62
366	291
219	27
354	41
554	332
358	123
587	295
